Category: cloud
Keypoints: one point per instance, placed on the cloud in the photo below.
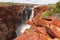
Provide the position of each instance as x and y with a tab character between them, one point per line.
32	1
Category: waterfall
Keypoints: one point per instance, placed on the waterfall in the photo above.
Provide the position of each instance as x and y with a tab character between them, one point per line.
32	14
27	14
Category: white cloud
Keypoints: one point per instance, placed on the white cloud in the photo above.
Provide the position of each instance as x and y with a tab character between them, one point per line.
32	1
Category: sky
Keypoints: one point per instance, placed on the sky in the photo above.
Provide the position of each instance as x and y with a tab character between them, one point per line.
32	1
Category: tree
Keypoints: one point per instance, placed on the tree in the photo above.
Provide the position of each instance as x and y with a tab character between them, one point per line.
57	7
58	4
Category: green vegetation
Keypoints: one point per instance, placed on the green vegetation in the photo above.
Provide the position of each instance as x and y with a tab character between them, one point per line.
58	4
52	7
11	3
57	10
58	7
45	14
7	3
55	7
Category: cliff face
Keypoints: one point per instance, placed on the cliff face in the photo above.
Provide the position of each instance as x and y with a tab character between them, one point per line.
8	15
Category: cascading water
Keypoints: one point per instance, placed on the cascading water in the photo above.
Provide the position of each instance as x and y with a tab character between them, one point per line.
27	14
